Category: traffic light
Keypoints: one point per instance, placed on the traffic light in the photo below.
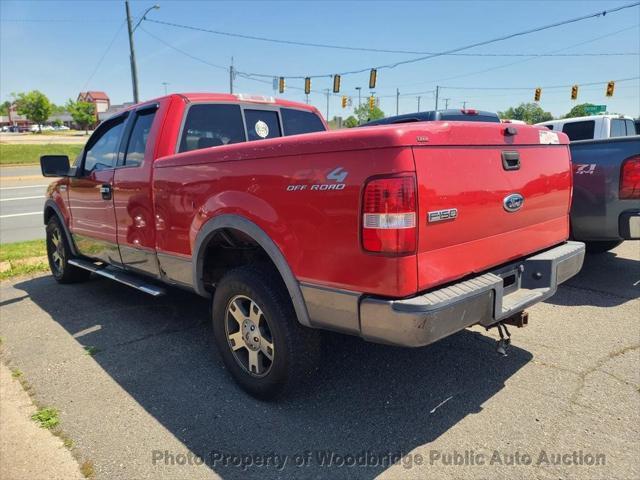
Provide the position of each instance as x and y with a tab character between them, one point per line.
307	85
344	101
372	102
373	76
538	94
336	83
610	86
281	84
574	92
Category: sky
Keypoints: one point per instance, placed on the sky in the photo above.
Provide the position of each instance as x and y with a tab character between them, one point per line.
64	47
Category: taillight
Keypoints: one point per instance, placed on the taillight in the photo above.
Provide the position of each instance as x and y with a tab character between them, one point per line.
469	111
630	178
389	215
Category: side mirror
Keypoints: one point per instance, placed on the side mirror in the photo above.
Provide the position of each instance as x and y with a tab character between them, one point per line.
55	166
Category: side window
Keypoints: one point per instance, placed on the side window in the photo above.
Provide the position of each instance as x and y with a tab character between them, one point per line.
579	130
618	128
295	122
210	126
138	139
262	124
103	152
550	127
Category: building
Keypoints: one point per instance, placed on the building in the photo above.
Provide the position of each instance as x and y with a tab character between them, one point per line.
99	99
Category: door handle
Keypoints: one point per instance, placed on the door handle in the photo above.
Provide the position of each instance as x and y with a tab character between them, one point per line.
105	191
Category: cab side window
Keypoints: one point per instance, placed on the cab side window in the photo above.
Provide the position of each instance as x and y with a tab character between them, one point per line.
102	152
211	125
138	139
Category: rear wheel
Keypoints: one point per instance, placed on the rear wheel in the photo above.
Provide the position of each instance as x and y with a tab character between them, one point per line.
258	334
59	254
602	246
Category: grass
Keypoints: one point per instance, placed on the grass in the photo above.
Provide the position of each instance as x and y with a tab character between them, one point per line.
87	469
91	350
28	154
46	418
16	373
22	258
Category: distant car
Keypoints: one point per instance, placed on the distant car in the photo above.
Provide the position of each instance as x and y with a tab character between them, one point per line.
61	127
464	115
595	127
5	128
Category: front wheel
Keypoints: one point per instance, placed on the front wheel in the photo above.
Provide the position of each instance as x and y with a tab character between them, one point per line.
59	253
602	246
258	334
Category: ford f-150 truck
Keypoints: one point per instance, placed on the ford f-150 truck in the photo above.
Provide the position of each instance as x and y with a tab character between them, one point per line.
606	195
401	234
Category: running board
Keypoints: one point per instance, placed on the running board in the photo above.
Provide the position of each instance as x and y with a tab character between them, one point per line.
114	273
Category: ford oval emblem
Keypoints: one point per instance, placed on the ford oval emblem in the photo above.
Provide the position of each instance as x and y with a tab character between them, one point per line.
513	202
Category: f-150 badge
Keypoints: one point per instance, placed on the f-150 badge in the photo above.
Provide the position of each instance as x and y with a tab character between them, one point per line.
441	215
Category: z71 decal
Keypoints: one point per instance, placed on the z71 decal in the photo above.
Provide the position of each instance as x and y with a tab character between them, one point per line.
584	168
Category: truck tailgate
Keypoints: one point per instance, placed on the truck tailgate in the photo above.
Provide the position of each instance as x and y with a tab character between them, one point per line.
465	226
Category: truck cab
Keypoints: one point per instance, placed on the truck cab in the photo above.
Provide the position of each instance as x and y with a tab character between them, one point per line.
596	127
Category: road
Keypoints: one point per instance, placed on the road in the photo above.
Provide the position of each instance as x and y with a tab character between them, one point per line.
22	196
152	395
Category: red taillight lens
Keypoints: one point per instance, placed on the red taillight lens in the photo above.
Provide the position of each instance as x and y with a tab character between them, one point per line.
469	111
389	215
630	178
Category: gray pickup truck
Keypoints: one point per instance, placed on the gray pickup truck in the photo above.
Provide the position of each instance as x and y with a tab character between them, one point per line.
606	192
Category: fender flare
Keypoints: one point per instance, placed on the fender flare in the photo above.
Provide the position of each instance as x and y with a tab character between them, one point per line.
56	211
236	222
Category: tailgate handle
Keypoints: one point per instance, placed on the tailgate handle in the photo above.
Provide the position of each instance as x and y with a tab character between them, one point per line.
511	160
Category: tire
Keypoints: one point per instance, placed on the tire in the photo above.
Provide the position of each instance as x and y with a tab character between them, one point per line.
602	246
252	309
59	254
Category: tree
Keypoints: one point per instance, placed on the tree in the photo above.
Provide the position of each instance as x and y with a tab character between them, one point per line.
4	108
527	112
351	122
35	106
579	110
364	115
83	113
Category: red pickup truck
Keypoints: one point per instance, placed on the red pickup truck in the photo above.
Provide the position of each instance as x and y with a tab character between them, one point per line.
401	234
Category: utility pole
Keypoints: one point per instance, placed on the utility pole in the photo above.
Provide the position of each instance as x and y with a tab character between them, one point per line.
328	90
164	84
231	76
306	95
464	104
446	103
437	93
418	104
132	55
397	101
359	99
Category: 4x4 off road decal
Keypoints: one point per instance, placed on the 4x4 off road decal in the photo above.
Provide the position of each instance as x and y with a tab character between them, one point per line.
338	175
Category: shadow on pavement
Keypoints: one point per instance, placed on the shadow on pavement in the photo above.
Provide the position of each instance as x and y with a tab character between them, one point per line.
617	277
364	398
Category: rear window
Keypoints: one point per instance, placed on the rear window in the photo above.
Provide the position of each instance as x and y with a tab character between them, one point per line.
296	122
210	126
579	130
469	118
262	124
618	128
631	128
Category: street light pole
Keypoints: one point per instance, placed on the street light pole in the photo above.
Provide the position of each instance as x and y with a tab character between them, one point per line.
397	101
359	99
327	90
132	52
418	104
164	84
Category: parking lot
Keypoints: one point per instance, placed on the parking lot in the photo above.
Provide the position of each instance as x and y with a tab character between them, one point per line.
142	394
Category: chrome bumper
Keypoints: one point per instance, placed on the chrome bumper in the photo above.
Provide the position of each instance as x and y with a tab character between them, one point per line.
485	300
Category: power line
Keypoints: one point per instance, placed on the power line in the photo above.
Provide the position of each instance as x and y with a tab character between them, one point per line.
378	50
497	67
417	59
548	87
95	70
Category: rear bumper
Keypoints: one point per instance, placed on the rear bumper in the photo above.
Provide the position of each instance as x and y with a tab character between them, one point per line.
485	299
629	225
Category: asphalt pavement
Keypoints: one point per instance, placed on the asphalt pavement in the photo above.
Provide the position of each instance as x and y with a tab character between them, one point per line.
143	394
22	197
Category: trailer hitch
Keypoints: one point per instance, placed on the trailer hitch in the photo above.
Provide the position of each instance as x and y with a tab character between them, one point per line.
519	320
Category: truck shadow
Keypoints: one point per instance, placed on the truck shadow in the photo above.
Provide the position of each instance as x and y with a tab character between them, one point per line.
616	277
365	398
